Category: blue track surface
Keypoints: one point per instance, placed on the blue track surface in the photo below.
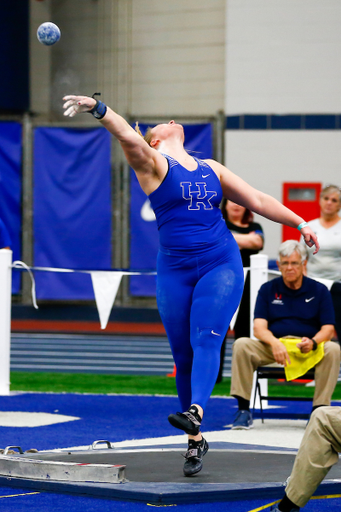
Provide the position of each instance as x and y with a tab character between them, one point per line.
42	502
115	418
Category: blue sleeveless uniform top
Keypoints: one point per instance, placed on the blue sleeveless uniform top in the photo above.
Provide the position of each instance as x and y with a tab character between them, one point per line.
186	206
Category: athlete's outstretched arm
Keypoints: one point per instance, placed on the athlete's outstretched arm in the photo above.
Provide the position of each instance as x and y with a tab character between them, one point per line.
236	189
148	164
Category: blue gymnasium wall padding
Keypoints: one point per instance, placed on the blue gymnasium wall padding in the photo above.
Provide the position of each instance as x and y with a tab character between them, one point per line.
71	209
144	238
10	188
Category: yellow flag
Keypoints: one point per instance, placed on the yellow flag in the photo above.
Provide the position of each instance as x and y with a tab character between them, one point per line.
300	363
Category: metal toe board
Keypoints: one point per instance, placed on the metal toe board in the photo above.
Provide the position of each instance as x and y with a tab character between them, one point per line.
36	469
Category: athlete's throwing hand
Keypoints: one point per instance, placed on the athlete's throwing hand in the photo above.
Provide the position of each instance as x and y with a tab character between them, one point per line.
77	105
310	238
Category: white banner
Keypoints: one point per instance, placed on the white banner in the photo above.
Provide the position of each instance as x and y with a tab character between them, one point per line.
106	285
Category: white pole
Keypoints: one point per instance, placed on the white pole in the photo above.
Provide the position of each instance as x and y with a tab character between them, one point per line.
258	276
5	318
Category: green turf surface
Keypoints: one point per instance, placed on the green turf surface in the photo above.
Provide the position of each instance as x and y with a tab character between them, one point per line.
133	384
92	383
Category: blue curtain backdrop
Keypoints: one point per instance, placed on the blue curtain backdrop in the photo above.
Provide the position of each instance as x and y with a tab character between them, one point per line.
71	209
144	239
10	188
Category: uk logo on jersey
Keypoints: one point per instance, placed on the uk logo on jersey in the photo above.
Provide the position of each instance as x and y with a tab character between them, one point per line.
197	195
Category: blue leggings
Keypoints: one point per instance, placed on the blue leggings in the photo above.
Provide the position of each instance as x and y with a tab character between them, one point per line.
197	295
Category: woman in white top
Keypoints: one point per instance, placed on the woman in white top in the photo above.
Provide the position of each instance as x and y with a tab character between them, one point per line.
326	263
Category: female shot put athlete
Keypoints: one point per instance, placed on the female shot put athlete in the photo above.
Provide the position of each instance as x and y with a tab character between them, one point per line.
199	268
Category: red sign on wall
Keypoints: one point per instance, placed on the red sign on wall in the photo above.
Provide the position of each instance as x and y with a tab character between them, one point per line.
303	199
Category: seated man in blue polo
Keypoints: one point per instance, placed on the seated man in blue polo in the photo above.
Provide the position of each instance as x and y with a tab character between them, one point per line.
290	305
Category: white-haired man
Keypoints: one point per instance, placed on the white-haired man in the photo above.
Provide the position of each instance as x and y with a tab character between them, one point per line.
290	305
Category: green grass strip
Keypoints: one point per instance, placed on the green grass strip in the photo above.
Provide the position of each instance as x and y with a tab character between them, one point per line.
92	383
133	384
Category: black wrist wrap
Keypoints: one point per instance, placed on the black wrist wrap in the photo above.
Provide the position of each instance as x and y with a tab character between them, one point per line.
100	109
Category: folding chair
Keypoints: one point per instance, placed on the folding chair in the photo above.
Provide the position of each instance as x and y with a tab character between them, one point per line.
276	371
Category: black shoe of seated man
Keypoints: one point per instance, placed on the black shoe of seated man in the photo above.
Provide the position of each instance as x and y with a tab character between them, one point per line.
196	451
188	421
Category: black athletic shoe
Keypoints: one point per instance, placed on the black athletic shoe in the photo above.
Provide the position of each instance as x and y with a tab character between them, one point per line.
188	421
196	451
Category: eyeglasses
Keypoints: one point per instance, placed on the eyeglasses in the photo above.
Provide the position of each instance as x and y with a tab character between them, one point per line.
294	264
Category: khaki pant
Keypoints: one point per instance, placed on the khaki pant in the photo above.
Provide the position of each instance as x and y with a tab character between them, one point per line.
248	354
317	454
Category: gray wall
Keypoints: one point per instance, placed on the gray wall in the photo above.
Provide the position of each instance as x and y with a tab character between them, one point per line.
148	58
282	57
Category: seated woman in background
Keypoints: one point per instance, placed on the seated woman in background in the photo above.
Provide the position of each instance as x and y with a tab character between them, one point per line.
250	239
327	263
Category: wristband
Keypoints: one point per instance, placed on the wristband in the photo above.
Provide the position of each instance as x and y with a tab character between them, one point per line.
314	344
302	225
100	109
